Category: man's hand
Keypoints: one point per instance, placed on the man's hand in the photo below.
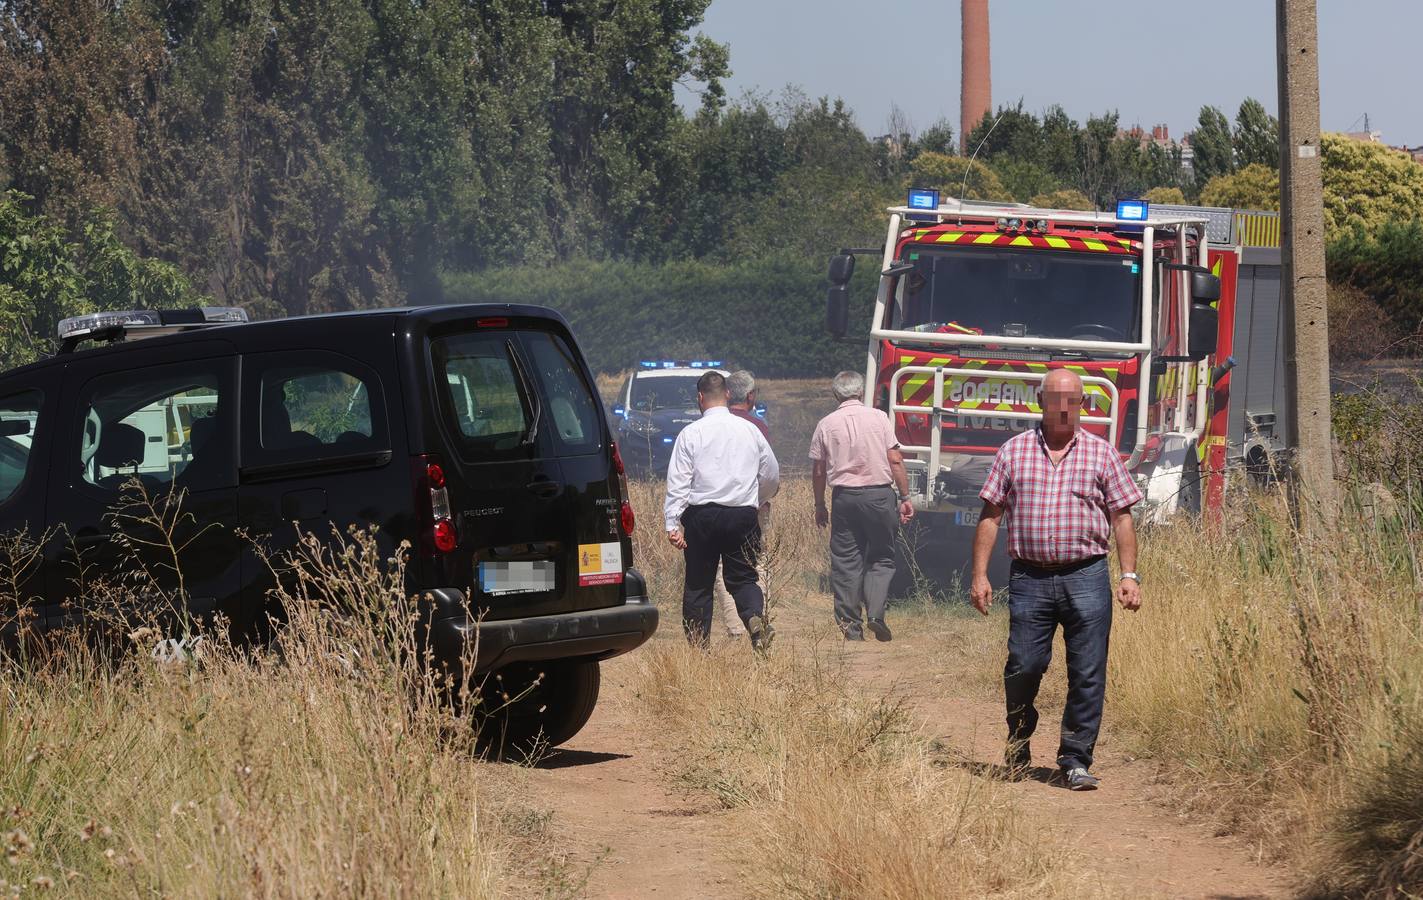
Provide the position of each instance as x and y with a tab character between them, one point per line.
981	593
822	515
906	512
1129	594
674	537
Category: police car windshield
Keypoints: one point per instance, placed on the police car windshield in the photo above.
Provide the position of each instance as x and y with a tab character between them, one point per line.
1021	293
651	392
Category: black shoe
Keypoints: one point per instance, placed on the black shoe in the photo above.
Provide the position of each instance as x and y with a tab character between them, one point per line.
854	635
881	630
1018	759
852	631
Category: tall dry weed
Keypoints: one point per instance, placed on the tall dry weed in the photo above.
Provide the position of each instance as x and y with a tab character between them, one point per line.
1273	670
327	765
834	792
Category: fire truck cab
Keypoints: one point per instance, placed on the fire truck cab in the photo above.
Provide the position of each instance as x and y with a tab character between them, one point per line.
977	302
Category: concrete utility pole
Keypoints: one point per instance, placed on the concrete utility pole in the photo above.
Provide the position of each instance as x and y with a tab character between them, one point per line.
1302	236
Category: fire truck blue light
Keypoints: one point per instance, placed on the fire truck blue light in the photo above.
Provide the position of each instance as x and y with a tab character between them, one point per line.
1131	210
923	199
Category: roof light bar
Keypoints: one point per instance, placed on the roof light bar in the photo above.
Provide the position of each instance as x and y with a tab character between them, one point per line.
148	322
683	364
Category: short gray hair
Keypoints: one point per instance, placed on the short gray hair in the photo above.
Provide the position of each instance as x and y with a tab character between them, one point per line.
740	385
848	386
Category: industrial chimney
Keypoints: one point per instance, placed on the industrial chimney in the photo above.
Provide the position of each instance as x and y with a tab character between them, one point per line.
976	93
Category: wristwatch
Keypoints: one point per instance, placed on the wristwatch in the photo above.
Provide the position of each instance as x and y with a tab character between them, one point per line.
1133	576
903	498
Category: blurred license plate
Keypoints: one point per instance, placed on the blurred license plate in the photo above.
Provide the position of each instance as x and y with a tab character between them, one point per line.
966	517
498	578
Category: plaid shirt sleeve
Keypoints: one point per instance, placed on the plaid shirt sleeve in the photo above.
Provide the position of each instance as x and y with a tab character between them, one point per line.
1118	489
999	480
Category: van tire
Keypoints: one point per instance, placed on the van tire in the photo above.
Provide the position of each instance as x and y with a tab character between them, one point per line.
547	715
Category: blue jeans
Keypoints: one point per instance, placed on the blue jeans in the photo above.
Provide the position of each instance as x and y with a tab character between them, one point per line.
1079	598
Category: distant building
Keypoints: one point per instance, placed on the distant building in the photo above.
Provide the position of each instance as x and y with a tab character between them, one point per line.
1365	137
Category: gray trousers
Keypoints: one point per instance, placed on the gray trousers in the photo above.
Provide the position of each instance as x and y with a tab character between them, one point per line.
862	526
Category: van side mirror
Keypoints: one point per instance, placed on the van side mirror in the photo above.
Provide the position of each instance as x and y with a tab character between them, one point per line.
842	268
837	310
1205	323
1205	287
759	410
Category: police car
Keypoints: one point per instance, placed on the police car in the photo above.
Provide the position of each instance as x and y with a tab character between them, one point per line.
652	407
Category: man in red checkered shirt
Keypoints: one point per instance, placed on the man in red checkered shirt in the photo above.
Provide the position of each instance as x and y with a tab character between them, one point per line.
1065	492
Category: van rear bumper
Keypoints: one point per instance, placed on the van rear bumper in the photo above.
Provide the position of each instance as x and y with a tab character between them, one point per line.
592	634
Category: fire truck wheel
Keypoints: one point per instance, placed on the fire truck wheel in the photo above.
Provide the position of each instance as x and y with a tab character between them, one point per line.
1191	486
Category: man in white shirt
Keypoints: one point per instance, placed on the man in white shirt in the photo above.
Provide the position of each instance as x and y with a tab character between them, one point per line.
720	472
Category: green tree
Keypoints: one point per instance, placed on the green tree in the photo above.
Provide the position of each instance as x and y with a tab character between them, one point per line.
44	277
937	138
1166	195
1253	187
1067	198
1367	186
1212	146
956	176
1257	135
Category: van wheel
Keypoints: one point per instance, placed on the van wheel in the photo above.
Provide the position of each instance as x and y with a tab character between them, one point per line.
547	704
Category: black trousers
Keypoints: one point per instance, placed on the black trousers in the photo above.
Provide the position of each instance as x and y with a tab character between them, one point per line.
730	535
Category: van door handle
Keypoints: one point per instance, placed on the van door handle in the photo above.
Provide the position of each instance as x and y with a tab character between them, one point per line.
544	488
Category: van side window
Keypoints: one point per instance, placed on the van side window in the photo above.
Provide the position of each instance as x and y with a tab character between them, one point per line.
478	389
569	401
314	407
166	426
18	415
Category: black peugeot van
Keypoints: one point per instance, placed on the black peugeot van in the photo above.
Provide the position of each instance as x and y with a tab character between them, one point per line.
473	432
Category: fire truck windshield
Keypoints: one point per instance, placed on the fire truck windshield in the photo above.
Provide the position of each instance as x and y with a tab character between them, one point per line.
1021	293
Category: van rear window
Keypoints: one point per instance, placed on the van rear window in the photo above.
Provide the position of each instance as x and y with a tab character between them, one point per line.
479	390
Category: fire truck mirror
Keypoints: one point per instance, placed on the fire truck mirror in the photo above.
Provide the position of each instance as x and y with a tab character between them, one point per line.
842	266
1205	287
837	310
1205	322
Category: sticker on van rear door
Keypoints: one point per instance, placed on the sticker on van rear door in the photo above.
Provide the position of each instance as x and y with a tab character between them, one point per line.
600	564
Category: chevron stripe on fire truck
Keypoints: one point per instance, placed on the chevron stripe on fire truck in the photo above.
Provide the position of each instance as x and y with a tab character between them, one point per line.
918	389
1105	244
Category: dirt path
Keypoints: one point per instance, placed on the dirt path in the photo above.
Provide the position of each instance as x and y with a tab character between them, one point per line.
628	831
615	807
1138	845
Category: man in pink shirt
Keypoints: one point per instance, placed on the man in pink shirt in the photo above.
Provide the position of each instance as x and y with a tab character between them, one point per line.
855	451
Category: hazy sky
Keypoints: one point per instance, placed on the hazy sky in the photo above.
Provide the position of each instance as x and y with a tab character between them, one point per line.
1089	57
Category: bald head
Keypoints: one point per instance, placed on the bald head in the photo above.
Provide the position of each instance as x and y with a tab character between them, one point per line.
1061	404
1062	380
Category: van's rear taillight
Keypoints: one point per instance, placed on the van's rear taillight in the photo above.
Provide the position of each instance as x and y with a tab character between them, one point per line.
430	488
628	518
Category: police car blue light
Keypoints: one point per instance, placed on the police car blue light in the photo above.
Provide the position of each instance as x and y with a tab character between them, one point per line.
1132	210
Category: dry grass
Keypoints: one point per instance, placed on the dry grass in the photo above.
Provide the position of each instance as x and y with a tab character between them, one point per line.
834	792
323	768
1277	673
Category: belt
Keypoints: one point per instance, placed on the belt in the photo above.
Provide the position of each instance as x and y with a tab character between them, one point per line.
857	489
1059	567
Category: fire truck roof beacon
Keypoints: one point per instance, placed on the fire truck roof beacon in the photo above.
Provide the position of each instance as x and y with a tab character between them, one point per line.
920	198
1131	210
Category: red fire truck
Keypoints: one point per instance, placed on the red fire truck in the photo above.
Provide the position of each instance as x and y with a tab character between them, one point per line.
1153	306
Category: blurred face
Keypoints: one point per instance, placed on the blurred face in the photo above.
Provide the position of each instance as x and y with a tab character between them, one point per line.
1061	403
